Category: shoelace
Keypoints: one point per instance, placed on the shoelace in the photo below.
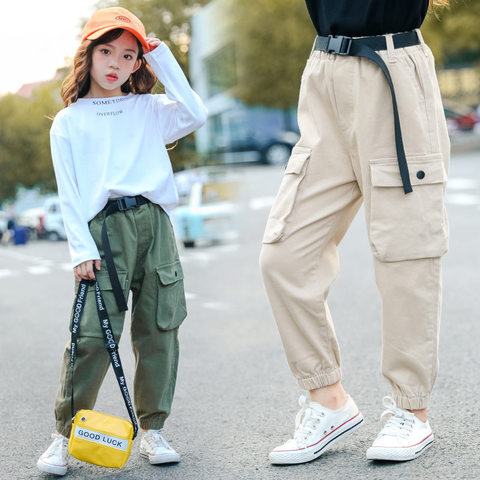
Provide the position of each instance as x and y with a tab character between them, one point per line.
306	421
400	422
58	441
154	438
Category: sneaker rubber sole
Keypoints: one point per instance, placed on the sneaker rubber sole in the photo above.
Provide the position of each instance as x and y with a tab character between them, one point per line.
307	454
49	468
162	458
400	454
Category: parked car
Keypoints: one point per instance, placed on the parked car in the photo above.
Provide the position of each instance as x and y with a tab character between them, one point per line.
460	118
32	219
45	221
54	228
278	150
206	213
3	222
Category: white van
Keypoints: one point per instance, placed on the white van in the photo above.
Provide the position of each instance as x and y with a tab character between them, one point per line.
3	222
53	220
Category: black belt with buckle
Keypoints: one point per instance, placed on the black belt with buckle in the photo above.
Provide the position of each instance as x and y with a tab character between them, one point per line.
117	205
366	47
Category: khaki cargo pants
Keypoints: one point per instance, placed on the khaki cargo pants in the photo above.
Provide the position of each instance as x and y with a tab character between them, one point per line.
146	258
346	155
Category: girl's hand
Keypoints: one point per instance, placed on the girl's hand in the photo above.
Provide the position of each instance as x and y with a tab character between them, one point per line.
153	43
84	271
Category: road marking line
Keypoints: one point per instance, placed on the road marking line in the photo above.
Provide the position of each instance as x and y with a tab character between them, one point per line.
465	199
25	258
260	203
7	273
222	306
462	184
230	247
201	256
38	270
191	296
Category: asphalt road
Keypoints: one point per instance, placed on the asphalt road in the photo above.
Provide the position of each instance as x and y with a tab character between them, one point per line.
236	398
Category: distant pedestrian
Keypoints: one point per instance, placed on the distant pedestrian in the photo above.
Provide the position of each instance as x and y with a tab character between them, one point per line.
9	231
112	169
372	130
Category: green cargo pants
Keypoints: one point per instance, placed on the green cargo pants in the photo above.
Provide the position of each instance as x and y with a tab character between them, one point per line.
147	262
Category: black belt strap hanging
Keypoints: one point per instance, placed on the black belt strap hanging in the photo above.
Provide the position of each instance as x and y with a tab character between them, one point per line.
113	206
110	344
366	47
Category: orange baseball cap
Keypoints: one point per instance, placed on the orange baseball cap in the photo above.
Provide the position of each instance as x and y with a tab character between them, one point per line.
106	19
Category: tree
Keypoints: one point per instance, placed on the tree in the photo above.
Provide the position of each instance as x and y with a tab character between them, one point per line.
454	29
24	140
270	60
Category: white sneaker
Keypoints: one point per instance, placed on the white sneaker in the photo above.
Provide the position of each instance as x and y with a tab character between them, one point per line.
154	447
54	460
403	437
316	430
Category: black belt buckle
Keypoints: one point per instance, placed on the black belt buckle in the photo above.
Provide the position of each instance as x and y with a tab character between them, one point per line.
125	203
339	45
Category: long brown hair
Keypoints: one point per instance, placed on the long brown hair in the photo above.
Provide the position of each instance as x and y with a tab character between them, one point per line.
77	82
438	3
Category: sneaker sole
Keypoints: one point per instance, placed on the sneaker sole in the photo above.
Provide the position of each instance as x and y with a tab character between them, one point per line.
399	454
311	453
49	468
159	459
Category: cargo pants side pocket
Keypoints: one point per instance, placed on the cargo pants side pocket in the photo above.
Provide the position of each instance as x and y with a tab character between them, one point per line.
171	304
282	208
412	226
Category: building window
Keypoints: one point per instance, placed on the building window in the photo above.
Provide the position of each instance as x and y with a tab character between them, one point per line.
220	68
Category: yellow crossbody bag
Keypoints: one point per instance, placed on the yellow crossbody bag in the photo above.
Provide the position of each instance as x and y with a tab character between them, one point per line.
96	437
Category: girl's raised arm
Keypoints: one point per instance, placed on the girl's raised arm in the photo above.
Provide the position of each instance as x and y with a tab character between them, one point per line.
181	109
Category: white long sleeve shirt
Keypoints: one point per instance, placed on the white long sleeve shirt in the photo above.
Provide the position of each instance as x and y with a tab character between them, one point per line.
105	148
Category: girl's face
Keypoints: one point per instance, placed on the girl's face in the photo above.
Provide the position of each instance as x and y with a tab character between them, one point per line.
112	65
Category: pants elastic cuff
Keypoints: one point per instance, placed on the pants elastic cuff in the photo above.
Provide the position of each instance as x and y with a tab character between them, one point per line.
63	429
152	424
320	379
411	402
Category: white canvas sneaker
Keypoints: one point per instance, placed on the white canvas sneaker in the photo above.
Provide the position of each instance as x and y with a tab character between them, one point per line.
316	430
403	437
154	447
54	459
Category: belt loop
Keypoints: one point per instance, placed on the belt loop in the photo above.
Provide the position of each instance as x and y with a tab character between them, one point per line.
390	48
422	42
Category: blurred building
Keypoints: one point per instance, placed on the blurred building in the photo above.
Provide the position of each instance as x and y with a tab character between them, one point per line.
233	132
27	89
461	84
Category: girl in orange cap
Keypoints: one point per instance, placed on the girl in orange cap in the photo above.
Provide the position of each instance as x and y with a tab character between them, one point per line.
116	189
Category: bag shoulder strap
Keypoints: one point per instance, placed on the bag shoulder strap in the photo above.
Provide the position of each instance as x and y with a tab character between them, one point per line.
110	344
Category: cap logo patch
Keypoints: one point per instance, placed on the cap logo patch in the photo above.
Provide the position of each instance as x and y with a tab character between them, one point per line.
121	18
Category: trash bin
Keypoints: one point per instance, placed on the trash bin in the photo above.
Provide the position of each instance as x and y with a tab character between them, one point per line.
20	235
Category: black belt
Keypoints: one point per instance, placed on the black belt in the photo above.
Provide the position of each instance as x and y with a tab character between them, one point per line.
113	206
365	47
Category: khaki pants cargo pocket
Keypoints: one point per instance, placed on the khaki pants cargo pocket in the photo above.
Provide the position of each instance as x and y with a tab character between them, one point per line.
287	193
171	306
90	324
412	226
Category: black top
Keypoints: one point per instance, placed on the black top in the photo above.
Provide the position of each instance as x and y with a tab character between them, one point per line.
356	18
